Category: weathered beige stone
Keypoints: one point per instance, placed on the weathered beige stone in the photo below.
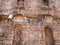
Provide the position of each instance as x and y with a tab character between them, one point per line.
34	30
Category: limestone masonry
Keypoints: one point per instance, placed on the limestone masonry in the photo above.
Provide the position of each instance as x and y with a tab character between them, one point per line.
29	22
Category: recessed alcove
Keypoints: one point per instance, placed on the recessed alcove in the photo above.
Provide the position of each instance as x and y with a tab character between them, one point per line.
46	2
48	18
49	38
18	35
3	17
18	18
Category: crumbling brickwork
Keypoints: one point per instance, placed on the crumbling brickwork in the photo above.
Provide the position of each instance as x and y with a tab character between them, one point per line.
34	22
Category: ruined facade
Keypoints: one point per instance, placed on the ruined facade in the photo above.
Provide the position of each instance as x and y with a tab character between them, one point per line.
33	22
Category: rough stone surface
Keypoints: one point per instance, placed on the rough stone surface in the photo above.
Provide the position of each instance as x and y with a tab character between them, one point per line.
31	31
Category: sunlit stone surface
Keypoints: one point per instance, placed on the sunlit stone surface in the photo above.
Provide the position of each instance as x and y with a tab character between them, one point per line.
29	23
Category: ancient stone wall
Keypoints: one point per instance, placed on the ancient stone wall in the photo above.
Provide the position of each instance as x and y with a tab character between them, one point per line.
7	6
31	32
